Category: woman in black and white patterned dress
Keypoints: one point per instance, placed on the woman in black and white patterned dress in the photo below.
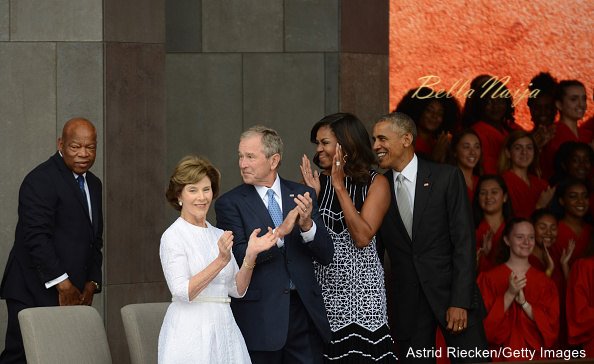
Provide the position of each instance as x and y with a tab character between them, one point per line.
353	200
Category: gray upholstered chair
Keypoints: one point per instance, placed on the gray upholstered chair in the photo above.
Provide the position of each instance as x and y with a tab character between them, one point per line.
142	323
64	334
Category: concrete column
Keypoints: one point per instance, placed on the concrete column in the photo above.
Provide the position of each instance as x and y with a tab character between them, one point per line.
284	63
103	60
135	149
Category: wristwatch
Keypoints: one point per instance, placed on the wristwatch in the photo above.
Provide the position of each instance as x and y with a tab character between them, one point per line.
97	286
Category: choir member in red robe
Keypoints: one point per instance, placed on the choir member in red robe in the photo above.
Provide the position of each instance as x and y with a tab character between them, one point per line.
543	111
492	140
574	160
545	235
573	233
580	303
435	118
465	152
491	209
518	165
573	236
571	103
492	117
522	302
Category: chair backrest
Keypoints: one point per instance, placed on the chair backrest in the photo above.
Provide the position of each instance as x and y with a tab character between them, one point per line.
64	334
142	323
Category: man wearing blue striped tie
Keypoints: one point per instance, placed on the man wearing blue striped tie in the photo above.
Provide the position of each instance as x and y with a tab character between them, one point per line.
282	316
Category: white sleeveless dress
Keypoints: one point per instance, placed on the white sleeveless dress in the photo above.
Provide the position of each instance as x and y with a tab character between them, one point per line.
202	330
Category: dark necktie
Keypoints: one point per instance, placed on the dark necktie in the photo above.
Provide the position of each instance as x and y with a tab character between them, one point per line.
81	185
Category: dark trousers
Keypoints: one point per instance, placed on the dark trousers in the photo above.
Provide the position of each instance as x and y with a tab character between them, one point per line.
420	348
303	345
14	352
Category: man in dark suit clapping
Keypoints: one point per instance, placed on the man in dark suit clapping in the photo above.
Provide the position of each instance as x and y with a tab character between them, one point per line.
429	237
56	258
282	316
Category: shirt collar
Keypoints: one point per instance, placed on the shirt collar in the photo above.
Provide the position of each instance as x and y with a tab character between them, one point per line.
262	190
410	171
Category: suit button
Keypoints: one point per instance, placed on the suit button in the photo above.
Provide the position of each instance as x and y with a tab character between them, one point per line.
286	291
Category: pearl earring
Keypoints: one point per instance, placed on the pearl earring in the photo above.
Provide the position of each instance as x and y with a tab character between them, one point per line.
180	203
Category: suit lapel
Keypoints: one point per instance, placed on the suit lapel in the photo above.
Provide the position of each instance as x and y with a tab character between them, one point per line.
255	203
422	192
286	192
95	200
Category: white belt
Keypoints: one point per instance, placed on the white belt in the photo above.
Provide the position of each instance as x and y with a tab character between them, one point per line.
212	299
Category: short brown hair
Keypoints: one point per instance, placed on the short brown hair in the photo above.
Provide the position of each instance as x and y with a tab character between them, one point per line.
191	169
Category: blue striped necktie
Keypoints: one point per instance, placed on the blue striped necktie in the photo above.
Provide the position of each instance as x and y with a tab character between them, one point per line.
274	209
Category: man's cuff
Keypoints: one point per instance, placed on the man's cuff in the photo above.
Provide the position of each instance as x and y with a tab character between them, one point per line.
310	234
53	282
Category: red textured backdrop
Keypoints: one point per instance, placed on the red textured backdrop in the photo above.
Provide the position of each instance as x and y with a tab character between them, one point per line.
459	39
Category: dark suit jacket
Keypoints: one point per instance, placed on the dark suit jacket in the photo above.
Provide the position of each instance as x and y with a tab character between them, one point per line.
54	235
440	259
263	313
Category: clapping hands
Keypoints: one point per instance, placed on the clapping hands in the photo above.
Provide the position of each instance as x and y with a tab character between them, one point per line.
516	284
225	244
258	244
310	178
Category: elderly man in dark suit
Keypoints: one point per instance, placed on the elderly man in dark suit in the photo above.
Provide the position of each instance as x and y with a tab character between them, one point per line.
56	258
429	237
282	316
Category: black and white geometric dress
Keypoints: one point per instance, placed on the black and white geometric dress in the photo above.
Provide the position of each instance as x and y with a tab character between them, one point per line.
353	286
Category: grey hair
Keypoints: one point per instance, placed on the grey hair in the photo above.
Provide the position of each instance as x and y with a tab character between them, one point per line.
271	141
400	123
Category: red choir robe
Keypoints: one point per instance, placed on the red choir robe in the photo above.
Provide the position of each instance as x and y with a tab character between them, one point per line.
580	305
564	234
562	134
513	328
536	263
492	140
488	262
523	196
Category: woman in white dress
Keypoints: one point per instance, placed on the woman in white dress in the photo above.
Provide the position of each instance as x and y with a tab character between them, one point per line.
201	273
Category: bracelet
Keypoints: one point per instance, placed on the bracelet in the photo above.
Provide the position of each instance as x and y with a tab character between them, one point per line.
248	265
524	304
